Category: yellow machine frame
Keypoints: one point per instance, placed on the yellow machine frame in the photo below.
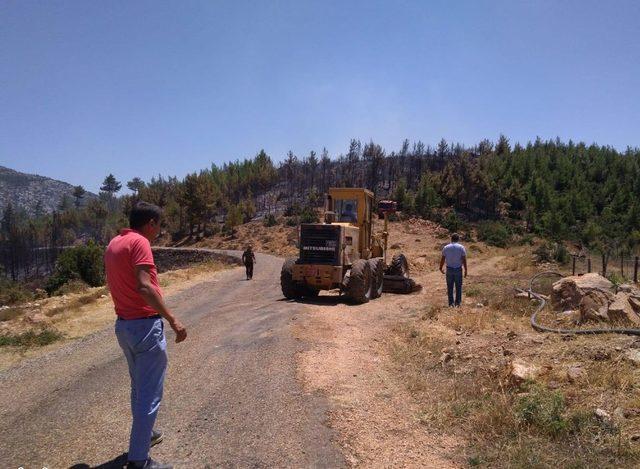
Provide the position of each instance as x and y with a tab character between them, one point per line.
366	246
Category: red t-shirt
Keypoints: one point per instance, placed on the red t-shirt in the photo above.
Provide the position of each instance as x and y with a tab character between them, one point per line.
124	253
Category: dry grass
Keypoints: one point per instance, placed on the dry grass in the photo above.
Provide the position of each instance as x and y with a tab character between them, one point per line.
279	239
78	301
520	260
467	319
454	364
27	331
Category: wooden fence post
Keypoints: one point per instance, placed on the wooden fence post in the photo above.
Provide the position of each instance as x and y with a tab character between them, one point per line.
573	268
635	270
622	264
589	265
604	265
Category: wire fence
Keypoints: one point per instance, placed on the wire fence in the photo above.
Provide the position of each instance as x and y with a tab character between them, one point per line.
625	266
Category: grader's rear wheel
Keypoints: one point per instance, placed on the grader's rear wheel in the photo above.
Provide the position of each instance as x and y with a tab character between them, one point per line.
359	283
377	276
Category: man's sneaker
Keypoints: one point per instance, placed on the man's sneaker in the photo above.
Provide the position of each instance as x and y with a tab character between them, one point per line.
156	437
148	464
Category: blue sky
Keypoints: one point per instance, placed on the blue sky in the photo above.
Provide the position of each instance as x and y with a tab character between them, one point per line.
138	88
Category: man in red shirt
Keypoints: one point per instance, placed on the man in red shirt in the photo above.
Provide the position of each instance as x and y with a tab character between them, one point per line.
133	281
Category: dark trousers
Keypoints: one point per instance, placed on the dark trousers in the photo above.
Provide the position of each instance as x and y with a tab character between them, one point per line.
249	268
454	278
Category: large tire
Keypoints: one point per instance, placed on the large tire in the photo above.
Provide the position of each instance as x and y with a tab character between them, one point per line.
399	266
377	276
358	285
310	292
290	289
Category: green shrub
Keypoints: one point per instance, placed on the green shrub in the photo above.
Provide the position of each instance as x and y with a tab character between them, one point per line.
526	239
72	286
494	233
270	220
393	217
30	338
615	278
13	292
549	252
561	254
292	221
293	210
78	263
543	253
309	215
474	461
543	410
211	230
452	221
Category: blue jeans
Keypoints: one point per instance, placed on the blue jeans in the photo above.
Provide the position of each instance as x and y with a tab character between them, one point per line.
145	347
454	277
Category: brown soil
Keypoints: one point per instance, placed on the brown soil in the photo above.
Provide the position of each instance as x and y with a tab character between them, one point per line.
279	239
396	399
375	415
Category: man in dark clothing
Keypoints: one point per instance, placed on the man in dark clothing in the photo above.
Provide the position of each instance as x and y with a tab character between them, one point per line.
248	259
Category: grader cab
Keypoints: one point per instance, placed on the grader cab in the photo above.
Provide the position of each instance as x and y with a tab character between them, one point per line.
345	253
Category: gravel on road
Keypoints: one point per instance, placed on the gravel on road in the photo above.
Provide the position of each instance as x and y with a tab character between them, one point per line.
231	396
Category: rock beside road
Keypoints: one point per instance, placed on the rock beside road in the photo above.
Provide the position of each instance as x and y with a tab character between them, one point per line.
597	300
594	305
621	309
633	356
569	291
521	371
575	373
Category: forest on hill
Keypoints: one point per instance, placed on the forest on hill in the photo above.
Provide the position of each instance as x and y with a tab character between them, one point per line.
588	194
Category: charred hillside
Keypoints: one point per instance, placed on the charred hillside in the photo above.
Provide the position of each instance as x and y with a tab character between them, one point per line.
34	194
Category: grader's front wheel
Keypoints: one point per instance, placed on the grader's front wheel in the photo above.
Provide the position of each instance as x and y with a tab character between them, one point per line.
290	289
359	284
377	276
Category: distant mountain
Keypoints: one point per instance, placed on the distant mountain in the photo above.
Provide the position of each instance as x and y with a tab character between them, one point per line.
26	190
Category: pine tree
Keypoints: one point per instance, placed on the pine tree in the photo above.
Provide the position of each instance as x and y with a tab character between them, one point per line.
78	193
234	218
325	170
38	210
110	185
373	155
312	165
427	198
64	204
401	194
135	185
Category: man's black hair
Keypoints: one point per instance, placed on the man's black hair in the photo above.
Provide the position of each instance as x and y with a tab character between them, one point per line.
142	213
455	237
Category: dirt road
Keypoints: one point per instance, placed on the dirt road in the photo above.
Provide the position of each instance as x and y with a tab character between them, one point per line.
231	395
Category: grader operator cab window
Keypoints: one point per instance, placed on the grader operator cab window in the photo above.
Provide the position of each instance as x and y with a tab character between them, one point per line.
347	210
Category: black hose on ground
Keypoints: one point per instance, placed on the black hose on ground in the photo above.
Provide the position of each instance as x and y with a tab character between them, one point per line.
540	328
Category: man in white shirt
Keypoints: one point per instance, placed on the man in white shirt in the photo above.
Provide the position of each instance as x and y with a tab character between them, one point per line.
455	256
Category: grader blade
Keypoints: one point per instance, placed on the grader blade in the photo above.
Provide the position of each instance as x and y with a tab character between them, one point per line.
399	284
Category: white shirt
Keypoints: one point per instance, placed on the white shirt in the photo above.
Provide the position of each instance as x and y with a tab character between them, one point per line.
453	254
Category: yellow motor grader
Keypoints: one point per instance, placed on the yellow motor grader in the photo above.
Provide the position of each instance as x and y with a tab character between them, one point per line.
343	252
